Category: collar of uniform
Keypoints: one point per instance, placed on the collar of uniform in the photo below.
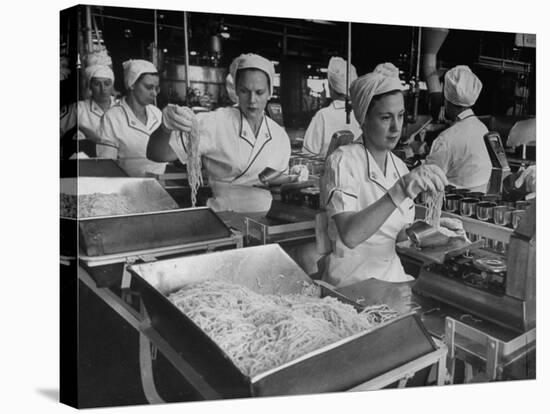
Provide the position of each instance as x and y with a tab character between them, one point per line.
247	134
465	114
133	122
338	104
96	109
375	173
264	136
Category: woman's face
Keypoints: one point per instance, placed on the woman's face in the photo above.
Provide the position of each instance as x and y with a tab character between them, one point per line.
383	123
102	89
146	89
253	92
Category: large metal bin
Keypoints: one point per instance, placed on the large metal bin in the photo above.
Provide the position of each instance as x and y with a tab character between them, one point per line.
336	367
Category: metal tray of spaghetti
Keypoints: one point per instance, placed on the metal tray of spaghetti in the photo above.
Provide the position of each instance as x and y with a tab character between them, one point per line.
120	196
335	367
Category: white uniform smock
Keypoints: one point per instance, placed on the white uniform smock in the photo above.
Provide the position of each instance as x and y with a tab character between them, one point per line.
324	124
233	157
461	153
125	137
89	115
353	182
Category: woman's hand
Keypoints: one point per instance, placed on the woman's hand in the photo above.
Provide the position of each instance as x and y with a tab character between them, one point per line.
177	118
429	178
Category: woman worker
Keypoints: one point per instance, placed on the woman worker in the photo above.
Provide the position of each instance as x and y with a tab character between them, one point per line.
369	191
236	143
331	119
126	127
88	112
460	150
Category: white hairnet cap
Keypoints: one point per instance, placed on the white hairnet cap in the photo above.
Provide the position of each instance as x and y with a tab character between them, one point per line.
387	69
364	88
462	86
134	68
230	86
98	71
253	61
337	69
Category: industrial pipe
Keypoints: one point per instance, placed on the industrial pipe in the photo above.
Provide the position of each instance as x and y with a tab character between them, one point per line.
433	38
186	47
89	29
348	75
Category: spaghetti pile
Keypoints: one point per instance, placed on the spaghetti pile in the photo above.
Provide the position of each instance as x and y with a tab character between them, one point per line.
261	332
96	205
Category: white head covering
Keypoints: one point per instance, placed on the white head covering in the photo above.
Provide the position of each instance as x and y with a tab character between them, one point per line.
230	86
462	86
387	69
253	61
98	71
364	88
133	69
337	74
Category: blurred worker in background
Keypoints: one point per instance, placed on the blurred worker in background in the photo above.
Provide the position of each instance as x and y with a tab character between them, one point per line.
331	119
460	150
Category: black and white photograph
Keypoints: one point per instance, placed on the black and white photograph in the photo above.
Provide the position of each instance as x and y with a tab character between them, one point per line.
261	206
251	206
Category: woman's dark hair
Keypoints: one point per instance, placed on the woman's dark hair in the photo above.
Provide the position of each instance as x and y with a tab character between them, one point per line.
377	98
241	71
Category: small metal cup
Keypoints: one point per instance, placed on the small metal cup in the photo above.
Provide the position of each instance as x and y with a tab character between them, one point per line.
517	215
484	210
452	203
468	206
502	215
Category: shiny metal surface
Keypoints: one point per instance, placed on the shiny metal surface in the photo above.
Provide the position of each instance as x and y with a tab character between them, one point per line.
502	215
484	210
452	202
517	215
467	206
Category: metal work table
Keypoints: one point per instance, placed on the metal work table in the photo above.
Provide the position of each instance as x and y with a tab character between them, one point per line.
130	308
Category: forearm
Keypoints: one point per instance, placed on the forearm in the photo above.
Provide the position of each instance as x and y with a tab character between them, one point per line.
355	228
158	146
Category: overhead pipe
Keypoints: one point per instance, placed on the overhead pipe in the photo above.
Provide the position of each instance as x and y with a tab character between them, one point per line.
186	51
433	39
88	29
348	76
154	46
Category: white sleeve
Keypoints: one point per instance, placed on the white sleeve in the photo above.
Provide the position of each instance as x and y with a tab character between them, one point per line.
313	139
108	147
340	186
440	154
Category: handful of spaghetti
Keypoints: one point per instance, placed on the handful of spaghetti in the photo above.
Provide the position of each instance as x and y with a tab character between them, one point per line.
261	332
434	204
194	164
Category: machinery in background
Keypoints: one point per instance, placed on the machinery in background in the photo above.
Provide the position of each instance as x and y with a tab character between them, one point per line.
497	288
